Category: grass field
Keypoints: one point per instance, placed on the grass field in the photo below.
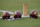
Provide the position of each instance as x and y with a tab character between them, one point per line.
24	22
14	5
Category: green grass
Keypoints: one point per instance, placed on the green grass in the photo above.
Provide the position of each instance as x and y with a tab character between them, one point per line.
14	5
24	22
0	13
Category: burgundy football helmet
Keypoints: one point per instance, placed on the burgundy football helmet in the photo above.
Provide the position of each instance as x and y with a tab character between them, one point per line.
6	15
17	14
34	14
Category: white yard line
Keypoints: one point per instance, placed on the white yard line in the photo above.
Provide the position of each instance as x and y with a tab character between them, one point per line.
22	16
25	16
6	11
0	17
